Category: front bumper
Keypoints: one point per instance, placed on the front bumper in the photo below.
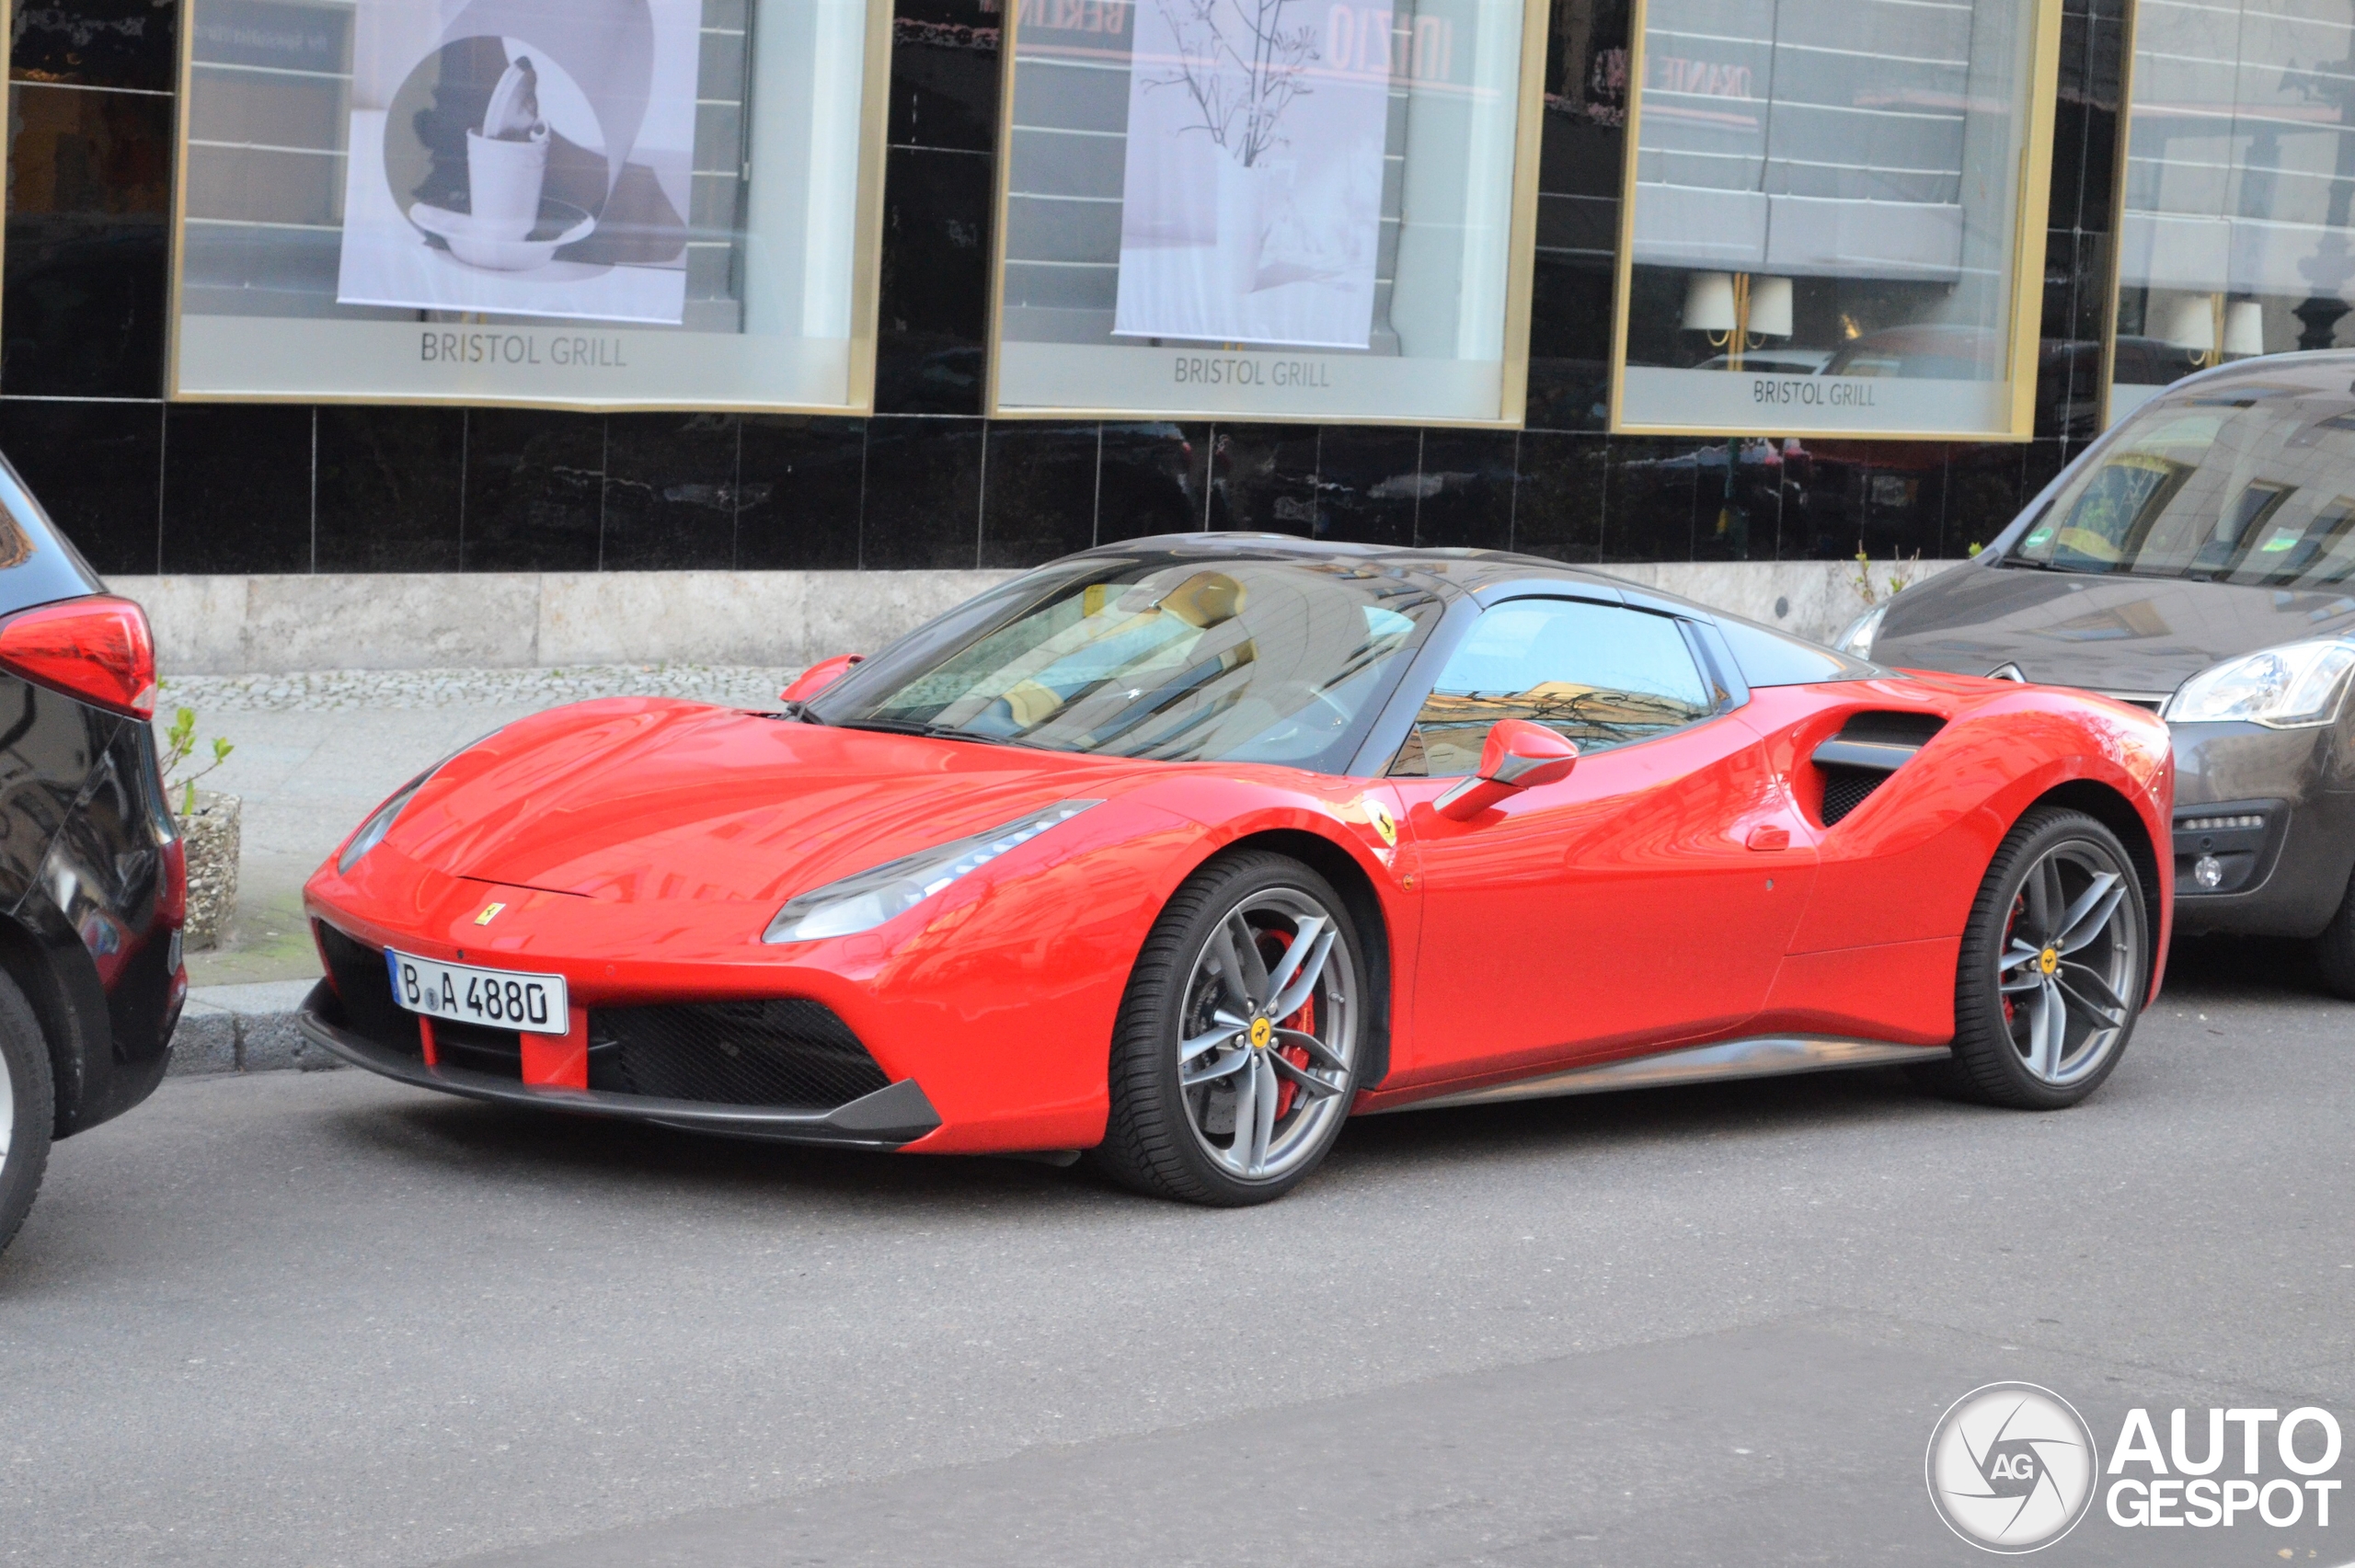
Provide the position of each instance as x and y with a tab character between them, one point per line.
2271	808
890	1117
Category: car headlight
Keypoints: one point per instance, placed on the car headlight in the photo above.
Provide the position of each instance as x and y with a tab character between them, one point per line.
2283	688
372	832
1858	640
863	901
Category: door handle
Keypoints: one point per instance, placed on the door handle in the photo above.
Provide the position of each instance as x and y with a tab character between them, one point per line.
1768	836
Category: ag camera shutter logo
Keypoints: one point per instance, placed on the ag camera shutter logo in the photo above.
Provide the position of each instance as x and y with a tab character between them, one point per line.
2011	1467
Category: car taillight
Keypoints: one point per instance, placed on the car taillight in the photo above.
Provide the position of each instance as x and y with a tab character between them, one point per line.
172	902
98	649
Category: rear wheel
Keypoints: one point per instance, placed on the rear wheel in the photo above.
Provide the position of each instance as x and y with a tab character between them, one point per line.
1237	1052
2054	962
28	1108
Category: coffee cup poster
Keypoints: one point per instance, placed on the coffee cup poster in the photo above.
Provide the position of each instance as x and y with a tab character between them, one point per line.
521	157
1251	209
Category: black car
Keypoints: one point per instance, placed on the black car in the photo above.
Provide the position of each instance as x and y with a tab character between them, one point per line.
2197	560
93	875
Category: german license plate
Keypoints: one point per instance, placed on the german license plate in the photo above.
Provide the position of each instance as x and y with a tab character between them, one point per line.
497	998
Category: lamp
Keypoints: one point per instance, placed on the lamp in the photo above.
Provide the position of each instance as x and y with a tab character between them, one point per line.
1770	307
2190	323
1708	302
2244	329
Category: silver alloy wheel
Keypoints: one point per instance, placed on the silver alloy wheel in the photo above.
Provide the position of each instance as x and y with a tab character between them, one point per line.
2071	955
1268	1057
7	1110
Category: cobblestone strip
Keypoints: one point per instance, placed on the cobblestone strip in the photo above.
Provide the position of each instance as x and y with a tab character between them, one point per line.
351	690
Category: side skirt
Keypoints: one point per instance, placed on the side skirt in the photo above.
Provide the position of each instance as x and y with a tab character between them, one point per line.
1765	1056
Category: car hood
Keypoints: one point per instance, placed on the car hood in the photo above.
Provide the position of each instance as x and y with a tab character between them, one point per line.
2140	636
640	799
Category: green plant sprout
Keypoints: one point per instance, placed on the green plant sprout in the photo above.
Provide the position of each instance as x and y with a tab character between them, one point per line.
1901	576
179	745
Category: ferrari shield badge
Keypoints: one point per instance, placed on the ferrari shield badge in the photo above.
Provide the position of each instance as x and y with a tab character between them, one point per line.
1384	823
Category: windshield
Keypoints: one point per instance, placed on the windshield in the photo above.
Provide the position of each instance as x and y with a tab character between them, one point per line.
1176	657
2245	483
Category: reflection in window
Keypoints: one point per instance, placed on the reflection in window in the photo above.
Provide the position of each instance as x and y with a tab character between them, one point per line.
2239	172
1828	188
1600	675
2197	487
1246	661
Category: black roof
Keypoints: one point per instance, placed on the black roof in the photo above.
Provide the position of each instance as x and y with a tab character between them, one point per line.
1466	571
2318	370
1767	656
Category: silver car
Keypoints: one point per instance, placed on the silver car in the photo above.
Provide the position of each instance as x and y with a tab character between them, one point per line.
2197	560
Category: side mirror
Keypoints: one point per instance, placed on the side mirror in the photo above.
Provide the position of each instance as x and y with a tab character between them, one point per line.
1517	755
819	676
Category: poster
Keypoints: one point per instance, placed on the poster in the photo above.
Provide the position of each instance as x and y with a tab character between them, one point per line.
521	157
1251	207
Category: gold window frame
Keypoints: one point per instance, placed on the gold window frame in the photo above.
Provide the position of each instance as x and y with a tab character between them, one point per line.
1521	262
2034	199
866	269
2130	30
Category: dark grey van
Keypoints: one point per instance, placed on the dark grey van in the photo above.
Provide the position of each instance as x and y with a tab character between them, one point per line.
2197	560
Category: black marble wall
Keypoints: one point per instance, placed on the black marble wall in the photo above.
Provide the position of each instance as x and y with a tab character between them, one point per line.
146	486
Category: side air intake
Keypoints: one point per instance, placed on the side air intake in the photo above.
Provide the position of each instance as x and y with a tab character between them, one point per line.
1868	748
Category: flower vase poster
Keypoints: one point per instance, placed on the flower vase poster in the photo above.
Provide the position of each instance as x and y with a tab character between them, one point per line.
521	157
1251	206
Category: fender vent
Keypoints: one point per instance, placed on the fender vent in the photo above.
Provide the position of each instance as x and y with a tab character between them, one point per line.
1868	748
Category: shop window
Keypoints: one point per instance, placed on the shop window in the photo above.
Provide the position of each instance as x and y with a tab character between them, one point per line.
1270	209
1835	222
2240	171
593	203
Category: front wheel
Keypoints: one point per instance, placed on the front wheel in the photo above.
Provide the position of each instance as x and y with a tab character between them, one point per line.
2335	949
1237	1048
2054	962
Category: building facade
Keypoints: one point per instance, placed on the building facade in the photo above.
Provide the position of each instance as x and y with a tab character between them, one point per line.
932	480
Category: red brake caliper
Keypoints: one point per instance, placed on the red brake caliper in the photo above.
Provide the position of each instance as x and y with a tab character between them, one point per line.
1304	1020
2018	905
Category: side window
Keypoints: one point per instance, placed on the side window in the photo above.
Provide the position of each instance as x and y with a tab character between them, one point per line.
1598	673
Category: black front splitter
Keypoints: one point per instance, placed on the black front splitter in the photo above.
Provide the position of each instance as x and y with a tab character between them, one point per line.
887	1119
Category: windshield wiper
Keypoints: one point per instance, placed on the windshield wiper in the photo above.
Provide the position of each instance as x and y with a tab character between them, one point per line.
920	726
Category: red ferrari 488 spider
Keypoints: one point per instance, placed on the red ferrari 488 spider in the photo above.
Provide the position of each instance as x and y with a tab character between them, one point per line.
1182	851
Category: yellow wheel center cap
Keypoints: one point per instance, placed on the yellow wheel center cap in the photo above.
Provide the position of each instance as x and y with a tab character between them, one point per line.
2048	960
1262	1031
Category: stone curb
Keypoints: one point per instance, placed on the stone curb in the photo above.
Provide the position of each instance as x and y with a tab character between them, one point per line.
247	1028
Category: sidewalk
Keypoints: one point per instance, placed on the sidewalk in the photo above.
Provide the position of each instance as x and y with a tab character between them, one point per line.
315	753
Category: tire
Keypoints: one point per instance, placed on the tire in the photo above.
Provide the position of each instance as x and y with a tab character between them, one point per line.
1189	1126
28	1108
2035	1027
2335	949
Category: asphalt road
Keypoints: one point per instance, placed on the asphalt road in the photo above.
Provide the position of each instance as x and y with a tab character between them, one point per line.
323	1319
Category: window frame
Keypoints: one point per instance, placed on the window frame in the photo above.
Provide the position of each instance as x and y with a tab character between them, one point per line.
2032	198
1712	661
864	275
1521	265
